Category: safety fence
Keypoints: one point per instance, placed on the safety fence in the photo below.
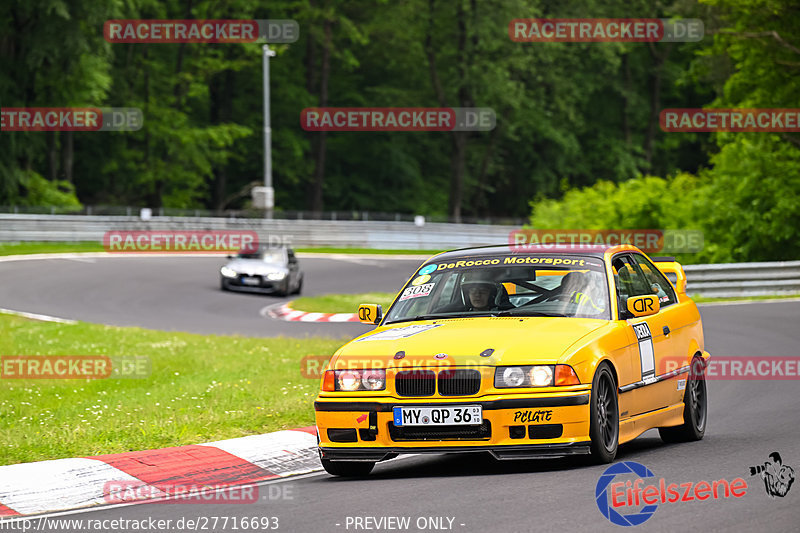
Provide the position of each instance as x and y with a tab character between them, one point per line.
716	280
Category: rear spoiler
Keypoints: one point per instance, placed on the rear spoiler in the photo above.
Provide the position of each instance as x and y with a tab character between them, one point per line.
673	270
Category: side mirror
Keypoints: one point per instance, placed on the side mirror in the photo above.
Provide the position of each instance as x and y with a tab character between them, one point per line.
643	305
370	313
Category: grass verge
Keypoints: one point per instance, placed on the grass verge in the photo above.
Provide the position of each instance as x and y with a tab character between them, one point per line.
37	247
21	248
202	388
341	303
325	250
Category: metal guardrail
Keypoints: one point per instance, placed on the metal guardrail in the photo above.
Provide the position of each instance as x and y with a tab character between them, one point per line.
744	279
720	280
300	233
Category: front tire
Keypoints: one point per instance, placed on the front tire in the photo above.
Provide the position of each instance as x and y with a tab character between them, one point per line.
222	284
348	468
604	417
695	409
299	287
284	290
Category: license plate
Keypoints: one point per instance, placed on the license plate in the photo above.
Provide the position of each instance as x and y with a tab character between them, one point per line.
250	281
462	415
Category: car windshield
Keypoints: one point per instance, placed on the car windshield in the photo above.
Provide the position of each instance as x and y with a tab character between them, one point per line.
268	256
519	285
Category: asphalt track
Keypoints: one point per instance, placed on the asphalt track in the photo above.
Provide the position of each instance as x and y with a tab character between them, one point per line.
747	421
183	294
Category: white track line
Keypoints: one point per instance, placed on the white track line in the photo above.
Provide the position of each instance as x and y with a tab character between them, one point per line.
36	316
746	302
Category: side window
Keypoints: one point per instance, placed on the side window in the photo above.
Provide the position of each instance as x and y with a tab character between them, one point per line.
657	282
629	280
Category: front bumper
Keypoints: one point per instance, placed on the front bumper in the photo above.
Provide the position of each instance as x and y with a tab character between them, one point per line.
514	427
264	286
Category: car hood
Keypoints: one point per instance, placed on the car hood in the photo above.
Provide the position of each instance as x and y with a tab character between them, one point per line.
254	266
514	340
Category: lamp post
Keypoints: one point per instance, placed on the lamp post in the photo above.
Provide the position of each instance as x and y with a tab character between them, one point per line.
269	192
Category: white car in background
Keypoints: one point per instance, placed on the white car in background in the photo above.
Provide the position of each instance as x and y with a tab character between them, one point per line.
268	270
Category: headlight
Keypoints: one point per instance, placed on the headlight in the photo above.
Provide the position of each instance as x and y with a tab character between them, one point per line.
276	276
227	272
374	379
354	380
513	376
541	376
534	376
348	380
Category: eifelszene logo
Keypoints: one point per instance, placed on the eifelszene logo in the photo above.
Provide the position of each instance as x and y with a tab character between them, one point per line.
641	501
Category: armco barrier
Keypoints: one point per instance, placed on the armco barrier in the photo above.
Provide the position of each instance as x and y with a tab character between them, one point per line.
721	280
744	279
301	233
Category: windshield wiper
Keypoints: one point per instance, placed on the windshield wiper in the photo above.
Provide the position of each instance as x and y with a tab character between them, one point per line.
530	313
418	317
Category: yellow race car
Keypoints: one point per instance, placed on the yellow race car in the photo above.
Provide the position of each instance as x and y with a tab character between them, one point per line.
536	352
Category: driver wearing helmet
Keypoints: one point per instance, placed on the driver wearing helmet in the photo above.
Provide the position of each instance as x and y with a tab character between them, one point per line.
480	293
576	288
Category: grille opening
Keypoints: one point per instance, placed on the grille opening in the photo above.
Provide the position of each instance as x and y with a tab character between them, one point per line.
417	433
415	383
459	382
545	431
516	432
342	435
365	434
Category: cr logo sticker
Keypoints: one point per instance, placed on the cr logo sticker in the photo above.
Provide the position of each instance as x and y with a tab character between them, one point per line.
365	313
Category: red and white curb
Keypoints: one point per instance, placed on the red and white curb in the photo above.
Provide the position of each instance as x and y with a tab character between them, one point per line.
64	484
285	312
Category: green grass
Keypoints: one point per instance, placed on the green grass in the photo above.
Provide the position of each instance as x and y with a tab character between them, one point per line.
341	303
19	248
202	388
328	250
707	299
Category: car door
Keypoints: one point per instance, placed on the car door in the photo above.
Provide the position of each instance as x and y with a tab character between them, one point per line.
648	346
671	323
